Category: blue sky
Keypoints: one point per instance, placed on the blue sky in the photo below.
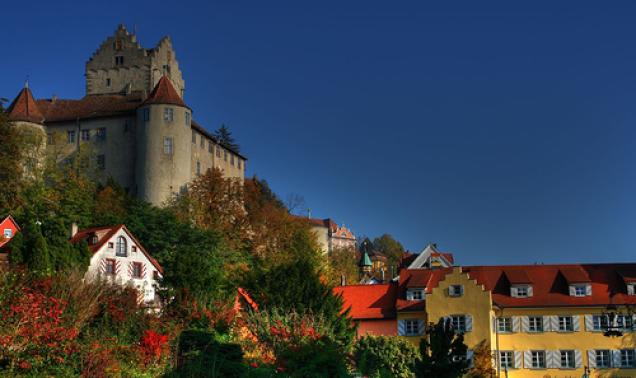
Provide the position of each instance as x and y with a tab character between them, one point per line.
505	132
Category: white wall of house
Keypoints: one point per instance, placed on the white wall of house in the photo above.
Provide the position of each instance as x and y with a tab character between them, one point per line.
124	272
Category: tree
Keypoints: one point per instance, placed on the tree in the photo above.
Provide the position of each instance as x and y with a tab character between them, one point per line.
343	263
482	362
390	248
443	352
298	286
385	356
37	252
225	138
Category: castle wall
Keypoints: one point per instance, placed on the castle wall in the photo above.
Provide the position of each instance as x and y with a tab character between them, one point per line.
160	174
116	148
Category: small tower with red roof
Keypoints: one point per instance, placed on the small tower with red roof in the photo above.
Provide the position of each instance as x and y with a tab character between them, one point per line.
164	143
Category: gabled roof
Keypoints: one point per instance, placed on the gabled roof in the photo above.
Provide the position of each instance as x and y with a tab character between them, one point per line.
108	233
517	276
575	274
164	93
428	252
369	301
24	108
94	106
8	219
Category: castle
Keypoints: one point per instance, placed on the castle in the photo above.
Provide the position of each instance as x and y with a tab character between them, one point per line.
133	120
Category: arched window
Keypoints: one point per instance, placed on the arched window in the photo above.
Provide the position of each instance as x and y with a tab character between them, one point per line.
122	247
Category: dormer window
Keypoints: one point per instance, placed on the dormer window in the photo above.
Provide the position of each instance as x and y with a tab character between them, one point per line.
94	239
580	290
455	290
521	291
415	294
631	289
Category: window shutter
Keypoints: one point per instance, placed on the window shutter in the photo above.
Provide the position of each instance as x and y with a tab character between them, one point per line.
401	327
591	358
409	295
516	323
546	324
589	323
469	323
552	361
525	324
576	323
517	359
529	290
630	290
527	359
572	291
420	327
461	290
469	358
588	289
616	354
554	323
513	291
578	359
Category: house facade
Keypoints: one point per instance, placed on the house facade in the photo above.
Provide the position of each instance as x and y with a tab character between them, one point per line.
132	125
119	258
539	320
331	236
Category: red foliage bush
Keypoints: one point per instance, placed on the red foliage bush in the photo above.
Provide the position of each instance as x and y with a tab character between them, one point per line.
153	345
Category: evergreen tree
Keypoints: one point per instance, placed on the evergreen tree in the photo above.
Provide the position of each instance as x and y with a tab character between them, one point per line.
16	248
37	251
443	352
225	138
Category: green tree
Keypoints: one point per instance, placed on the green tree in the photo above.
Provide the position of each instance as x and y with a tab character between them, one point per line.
482	362
389	247
385	356
37	252
343	263
298	286
225	138
442	351
16	247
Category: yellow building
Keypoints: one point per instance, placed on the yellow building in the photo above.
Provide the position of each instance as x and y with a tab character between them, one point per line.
539	320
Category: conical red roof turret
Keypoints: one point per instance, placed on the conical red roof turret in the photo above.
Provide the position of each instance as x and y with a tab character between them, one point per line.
164	93
24	108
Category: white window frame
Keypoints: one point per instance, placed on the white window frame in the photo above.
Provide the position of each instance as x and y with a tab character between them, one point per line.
605	358
538	359
168	145
627	358
411	327
415	294
508	357
535	326
458	322
569	356
455	290
522	291
8	233
504	325
564	325
580	290
121	244
168	114
188	120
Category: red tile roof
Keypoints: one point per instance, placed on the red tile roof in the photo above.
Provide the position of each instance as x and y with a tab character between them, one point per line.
369	301
550	285
10	223
108	232
24	108
403	305
517	276
89	107
164	93
424	278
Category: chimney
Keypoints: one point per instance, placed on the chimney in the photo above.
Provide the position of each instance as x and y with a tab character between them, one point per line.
343	280
74	229
309	213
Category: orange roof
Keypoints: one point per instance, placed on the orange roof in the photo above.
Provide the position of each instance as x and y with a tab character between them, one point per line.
164	93
369	301
108	232
89	107
517	276
24	108
550	284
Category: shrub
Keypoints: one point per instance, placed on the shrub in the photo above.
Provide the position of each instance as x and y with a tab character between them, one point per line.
385	356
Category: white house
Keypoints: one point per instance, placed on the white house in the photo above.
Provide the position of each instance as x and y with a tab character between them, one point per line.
119	258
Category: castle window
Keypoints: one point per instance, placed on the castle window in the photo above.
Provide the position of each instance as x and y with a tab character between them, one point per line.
232	159
117	45
198	168
101	134
218	151
108	82
210	148
202	142
122	247
168	114
85	135
49	138
240	163
187	118
101	162
194	137
119	60
224	155
167	146
146	114
70	136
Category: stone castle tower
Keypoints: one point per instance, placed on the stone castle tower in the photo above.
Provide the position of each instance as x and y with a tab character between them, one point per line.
133	122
